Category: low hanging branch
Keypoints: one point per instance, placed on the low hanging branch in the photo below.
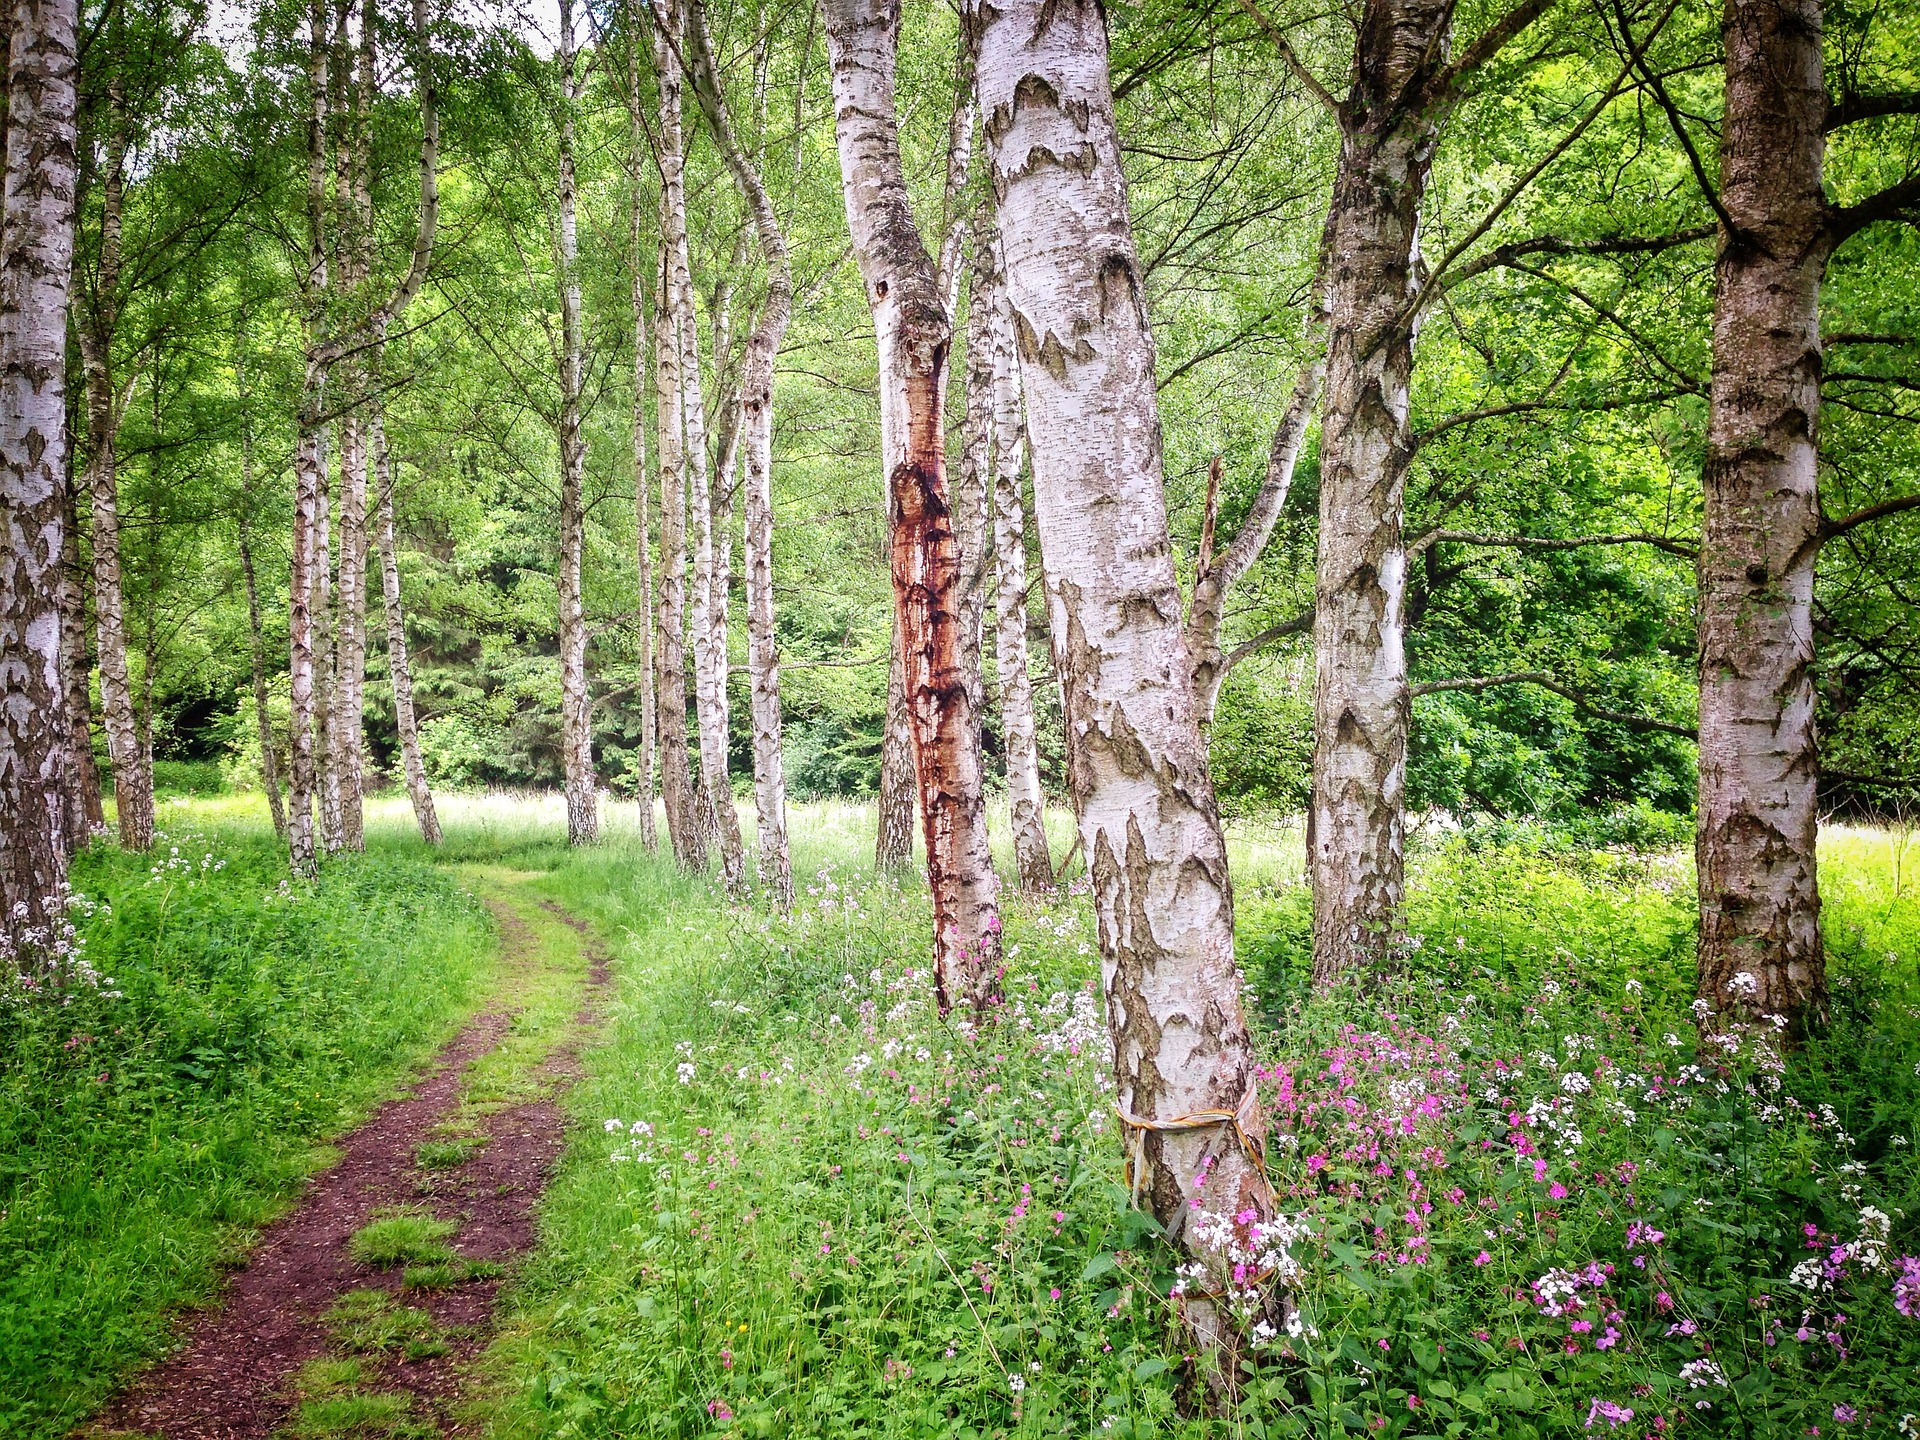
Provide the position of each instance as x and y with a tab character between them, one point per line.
1685	549
1544	681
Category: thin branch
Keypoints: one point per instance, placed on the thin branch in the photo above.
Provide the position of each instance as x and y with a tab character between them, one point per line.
1566	692
1555	245
1522	407
1294	63
1681	548
1675	120
1298	625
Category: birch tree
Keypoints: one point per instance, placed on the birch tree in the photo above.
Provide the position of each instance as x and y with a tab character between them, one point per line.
775	869
1026	802
1760	947
106	401
36	265
914	332
637	162
399	663
684	826
85	813
705	620
576	710
1137	764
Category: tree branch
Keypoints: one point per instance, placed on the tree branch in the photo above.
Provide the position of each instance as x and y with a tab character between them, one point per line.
1554	245
1831	528
1855	108
1522	407
1300	72
1892	203
1298	625
1566	692
1681	548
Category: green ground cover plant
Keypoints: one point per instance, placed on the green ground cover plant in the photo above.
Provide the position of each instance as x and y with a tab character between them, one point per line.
148	1123
1521	1201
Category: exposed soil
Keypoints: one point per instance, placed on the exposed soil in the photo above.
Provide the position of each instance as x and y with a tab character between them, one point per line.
232	1378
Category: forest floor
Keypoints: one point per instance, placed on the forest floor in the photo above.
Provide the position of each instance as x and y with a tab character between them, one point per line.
360	1310
783	1197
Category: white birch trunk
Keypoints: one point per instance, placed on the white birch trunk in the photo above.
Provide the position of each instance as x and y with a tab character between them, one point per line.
684	828
1137	759
399	663
1026	801
914	332
638	160
775	868
85	816
973	481
576	709
36	268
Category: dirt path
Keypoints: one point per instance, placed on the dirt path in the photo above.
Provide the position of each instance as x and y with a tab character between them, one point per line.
294	1343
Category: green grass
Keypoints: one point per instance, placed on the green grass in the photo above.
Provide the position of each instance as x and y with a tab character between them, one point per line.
446	1154
848	1219
143	1138
403	1237
368	1321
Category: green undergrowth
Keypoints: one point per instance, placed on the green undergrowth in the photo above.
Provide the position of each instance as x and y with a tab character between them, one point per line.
798	1204
149	1125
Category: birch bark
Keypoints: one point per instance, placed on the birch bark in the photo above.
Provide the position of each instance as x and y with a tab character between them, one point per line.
684	829
911	322
1210	587
132	779
1136	758
1361	705
705	619
973	483
576	712
36	267
1026	802
893	843
85	815
256	649
1761	531
310	463
399	662
775	868
638	160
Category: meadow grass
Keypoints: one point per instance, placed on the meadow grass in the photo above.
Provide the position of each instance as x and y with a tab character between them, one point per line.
798	1204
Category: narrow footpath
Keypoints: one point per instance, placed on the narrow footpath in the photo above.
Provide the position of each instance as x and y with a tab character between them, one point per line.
358	1312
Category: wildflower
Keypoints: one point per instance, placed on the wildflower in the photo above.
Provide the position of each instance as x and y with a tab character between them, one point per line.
1483	1258
1016	1384
1612	1412
1703	1372
1845	1414
1906	1287
685	1071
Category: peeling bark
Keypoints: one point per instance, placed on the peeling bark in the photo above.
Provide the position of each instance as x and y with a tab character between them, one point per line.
1137	761
576	709
1026	801
684	828
1761	530
36	267
914	333
756	431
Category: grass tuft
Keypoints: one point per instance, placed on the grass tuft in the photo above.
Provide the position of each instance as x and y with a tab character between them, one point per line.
370	1321
410	1236
447	1154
